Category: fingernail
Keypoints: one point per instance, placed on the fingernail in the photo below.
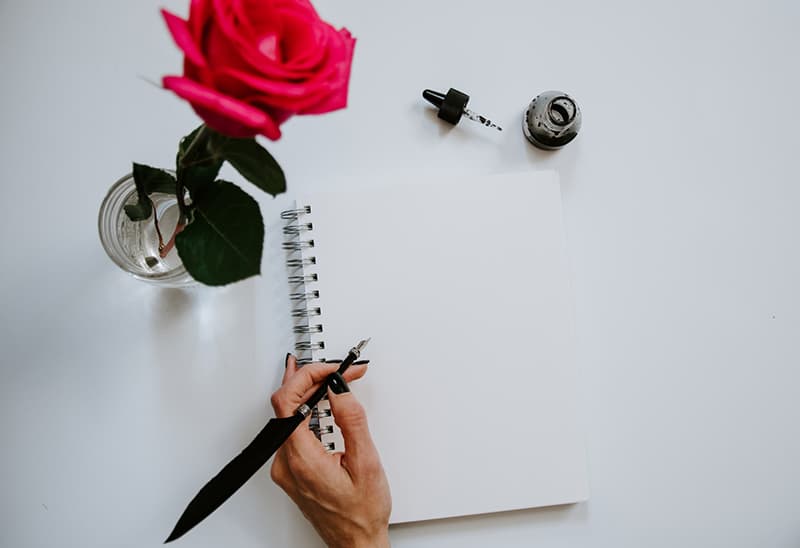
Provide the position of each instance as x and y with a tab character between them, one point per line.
361	362
333	361
337	384
286	362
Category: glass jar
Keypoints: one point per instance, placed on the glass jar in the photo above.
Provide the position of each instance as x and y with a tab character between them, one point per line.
134	245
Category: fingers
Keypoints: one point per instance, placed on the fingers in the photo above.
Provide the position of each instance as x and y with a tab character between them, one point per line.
355	372
360	453
298	386
290	366
303	445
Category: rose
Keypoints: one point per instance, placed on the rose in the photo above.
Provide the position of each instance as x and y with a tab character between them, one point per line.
251	64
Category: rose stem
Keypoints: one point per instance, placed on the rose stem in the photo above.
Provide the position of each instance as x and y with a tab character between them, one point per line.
180	191
158	229
164	251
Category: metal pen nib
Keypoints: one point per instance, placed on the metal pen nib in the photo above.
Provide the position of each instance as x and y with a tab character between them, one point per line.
357	349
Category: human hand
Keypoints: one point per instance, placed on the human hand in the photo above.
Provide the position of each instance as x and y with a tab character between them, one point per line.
345	496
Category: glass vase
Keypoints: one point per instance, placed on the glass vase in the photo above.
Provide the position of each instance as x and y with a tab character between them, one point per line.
134	245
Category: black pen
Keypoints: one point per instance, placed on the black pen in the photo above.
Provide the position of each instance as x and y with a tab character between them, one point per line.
334	380
258	452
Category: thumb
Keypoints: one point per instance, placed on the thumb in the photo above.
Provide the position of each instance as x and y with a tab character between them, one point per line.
349	414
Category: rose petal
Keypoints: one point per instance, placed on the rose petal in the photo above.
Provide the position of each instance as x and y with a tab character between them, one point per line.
338	98
302	42
325	91
199	13
183	38
225	114
278	88
223	51
294	22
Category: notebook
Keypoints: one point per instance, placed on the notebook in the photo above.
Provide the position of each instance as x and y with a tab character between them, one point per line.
462	283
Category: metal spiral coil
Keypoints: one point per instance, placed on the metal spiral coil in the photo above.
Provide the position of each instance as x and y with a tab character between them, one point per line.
305	345
298	246
298	263
307	296
308	328
303	279
321	413
292	214
292	230
306	312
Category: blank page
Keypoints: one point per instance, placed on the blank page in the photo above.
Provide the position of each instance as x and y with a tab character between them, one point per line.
462	285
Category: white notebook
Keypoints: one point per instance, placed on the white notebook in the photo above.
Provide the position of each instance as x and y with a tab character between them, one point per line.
463	286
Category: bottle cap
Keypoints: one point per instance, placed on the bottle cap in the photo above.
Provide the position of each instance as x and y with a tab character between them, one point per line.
551	120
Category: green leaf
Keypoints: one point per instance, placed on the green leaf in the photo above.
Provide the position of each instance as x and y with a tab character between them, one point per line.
148	180
187	140
253	162
224	241
139	211
202	166
153	179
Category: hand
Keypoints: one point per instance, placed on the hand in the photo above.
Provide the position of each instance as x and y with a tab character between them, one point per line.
345	496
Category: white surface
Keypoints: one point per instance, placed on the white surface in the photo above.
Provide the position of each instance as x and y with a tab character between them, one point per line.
681	210
450	287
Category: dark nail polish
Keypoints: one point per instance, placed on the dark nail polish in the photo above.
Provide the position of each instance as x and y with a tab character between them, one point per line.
286	362
333	361
337	384
361	362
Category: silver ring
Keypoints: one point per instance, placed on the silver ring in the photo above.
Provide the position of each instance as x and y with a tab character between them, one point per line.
304	410
291	214
306	312
329	446
296	263
307	296
297	246
303	279
297	229
325	429
320	413
308	328
304	346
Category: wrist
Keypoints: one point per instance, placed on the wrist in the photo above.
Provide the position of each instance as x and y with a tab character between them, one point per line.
378	539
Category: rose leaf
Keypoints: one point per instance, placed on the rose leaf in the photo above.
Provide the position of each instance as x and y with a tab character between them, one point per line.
224	241
254	163
148	180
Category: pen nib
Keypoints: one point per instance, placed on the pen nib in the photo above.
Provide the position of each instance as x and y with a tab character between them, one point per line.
360	346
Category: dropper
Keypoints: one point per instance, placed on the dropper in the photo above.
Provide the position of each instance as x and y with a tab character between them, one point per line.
453	105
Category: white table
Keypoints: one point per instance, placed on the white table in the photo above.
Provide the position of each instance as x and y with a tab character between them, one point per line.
681	200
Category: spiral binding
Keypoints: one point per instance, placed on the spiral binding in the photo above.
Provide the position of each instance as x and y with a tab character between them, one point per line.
297	243
308	328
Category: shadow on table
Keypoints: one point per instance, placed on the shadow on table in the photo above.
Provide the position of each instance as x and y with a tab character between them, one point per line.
466	525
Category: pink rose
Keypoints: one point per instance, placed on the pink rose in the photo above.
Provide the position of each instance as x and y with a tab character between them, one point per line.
251	64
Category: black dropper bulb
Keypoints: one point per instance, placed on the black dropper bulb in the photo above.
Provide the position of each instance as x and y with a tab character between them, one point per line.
433	97
451	105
